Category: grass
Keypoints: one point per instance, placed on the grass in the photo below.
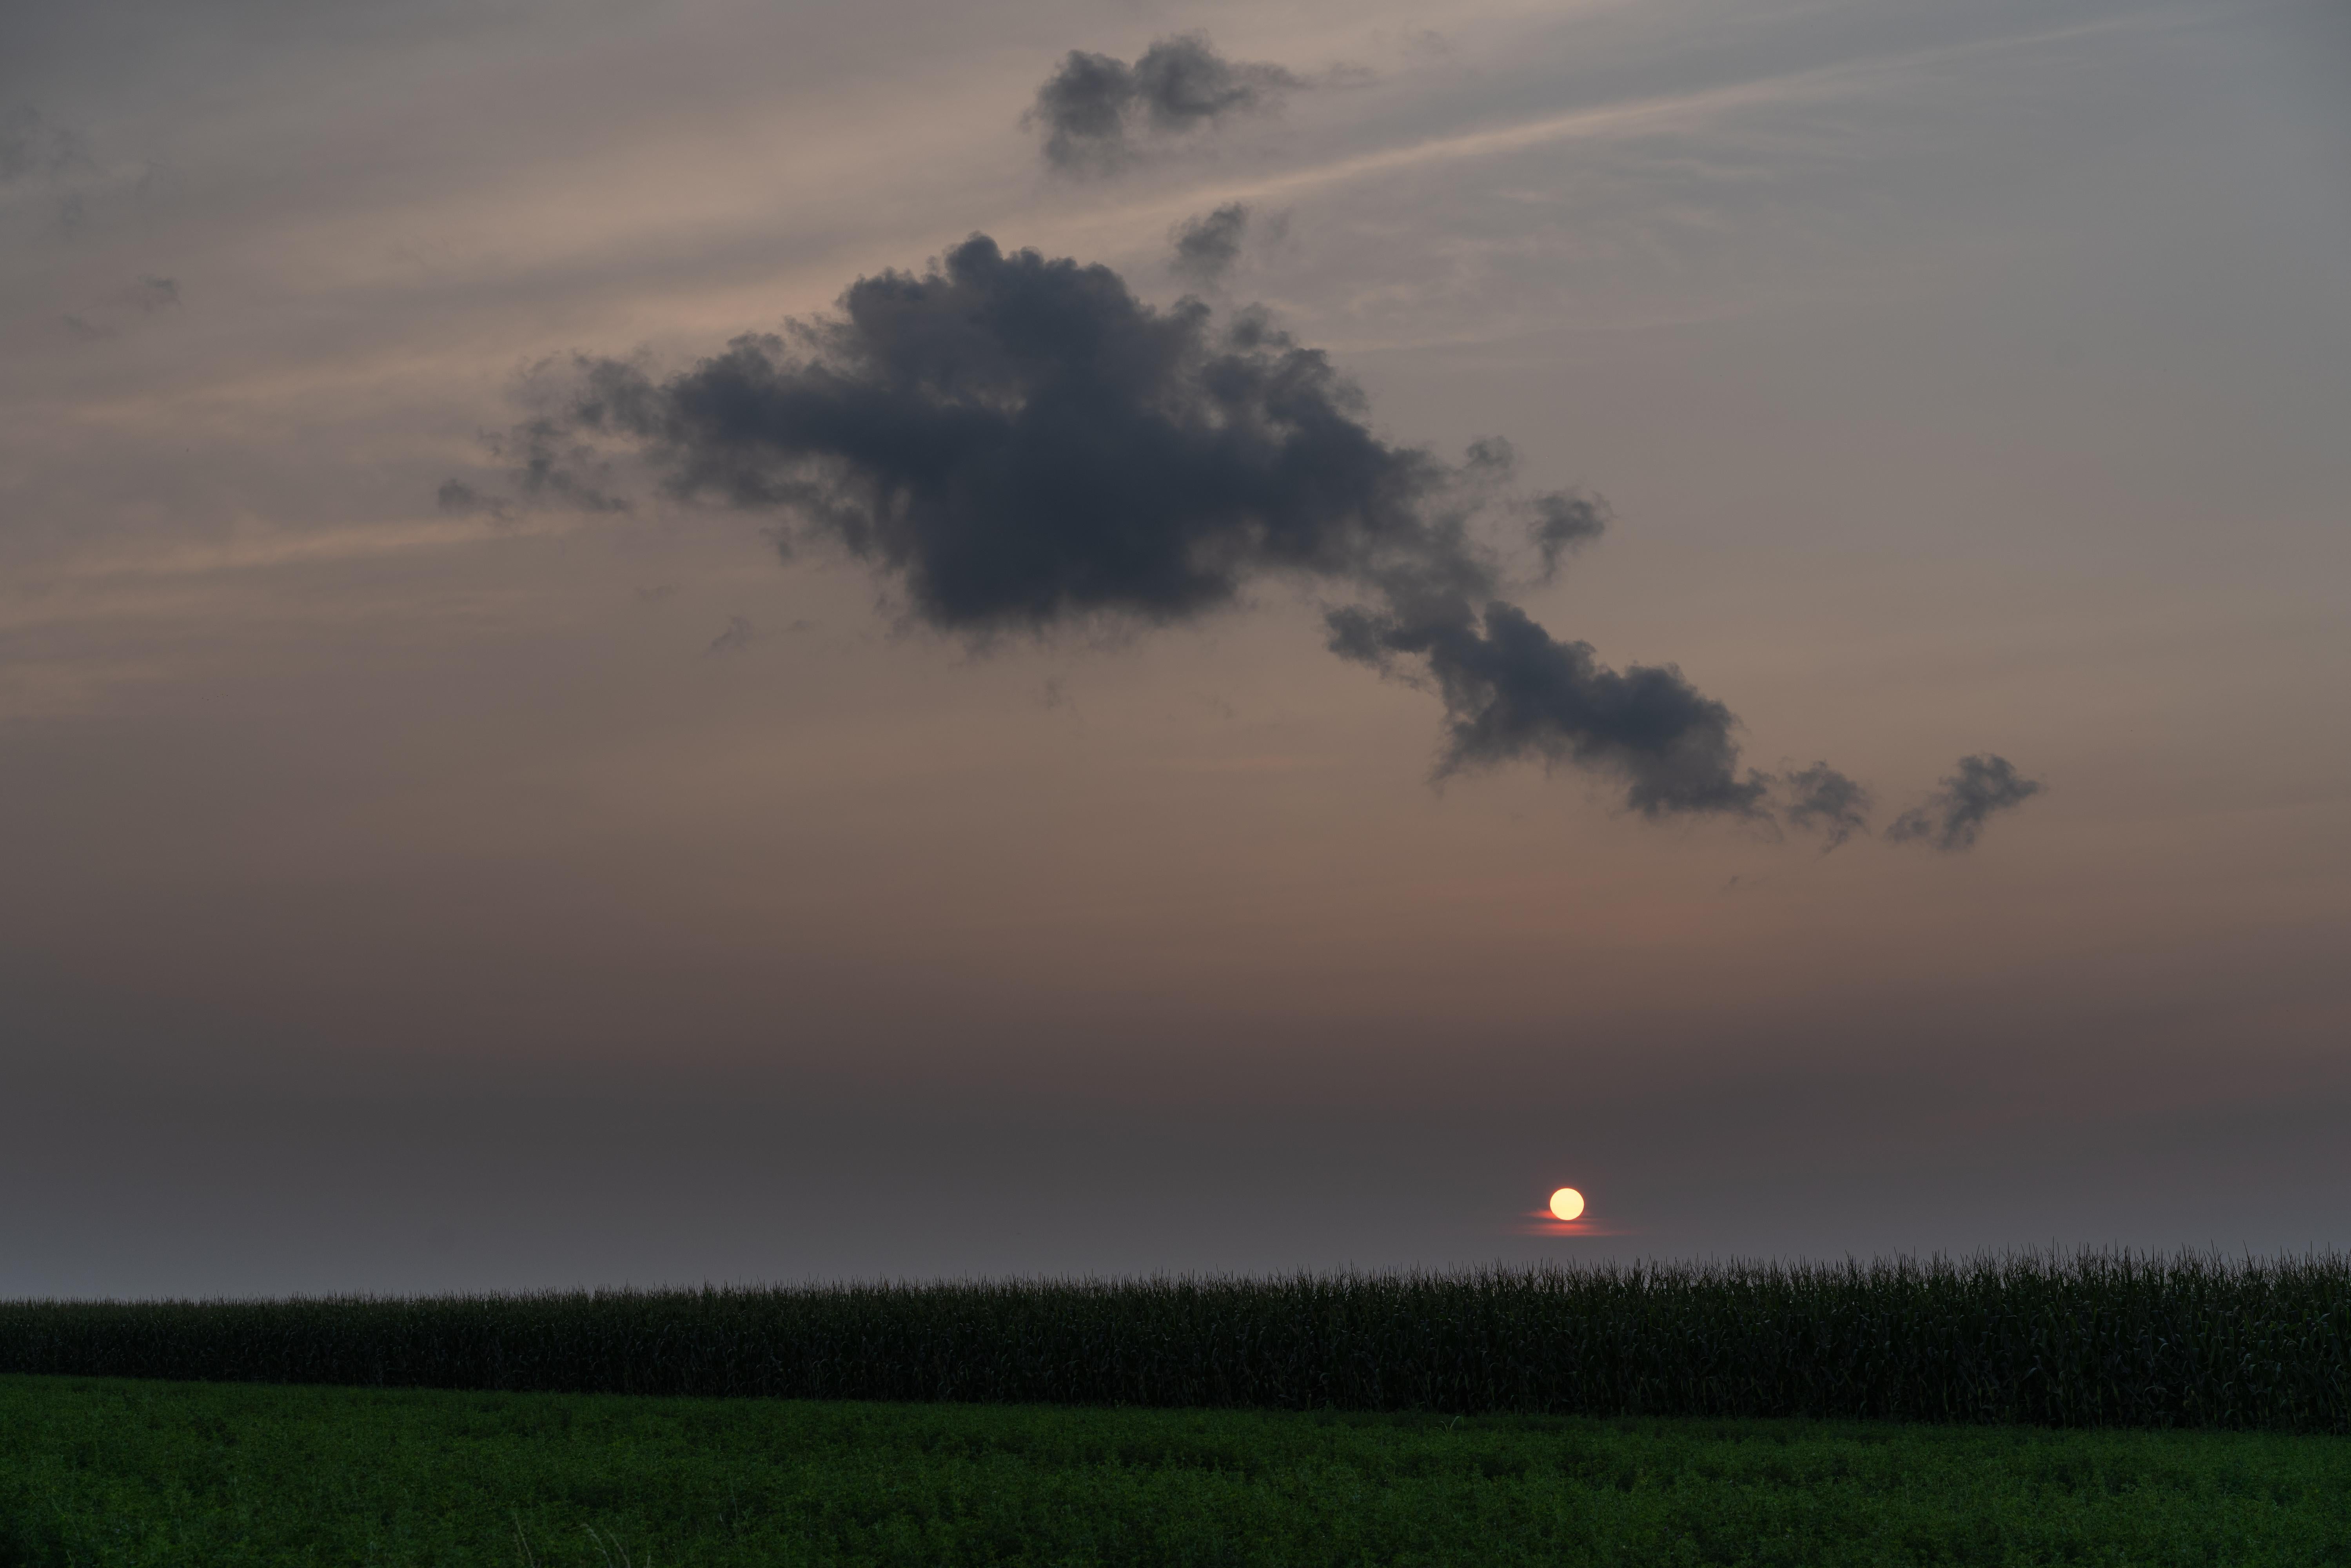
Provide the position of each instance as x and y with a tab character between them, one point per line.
104	1472
2090	1340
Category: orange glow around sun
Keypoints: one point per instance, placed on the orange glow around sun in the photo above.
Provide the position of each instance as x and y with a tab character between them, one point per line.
1566	1216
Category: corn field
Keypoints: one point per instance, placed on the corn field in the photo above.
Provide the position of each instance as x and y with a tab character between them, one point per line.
2093	1340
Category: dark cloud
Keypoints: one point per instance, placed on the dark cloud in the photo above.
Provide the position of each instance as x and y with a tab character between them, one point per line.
1023	445
157	293
1020	445
1953	815
1820	796
1207	247
1513	692
1094	107
1182	82
1563	523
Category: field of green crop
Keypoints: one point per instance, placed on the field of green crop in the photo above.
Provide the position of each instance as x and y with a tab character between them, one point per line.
2093	1340
100	1473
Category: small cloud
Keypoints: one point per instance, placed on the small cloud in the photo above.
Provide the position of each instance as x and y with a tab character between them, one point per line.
110	316
1094	107
39	155
1207	247
655	592
550	463
1491	458
1564	522
1821	797
460	499
1952	816
568	472
32	148
733	640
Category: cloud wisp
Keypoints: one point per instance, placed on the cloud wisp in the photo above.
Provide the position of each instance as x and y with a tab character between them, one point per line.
110	317
1564	522
32	147
1019	445
1094	111
1823	800
1207	245
736	637
1950	819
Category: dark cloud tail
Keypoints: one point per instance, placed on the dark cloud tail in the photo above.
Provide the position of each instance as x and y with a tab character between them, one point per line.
1951	818
1512	692
1821	800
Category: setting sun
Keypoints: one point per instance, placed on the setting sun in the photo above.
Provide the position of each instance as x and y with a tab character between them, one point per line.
1566	1203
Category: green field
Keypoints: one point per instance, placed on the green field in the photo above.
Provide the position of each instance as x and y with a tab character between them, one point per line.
2080	1340
118	1472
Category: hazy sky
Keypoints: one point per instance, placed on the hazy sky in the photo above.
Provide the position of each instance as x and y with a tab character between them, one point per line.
418	877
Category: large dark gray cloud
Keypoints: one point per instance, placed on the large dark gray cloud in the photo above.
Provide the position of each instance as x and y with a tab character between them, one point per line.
1093	109
1023	445
1020	445
1952	817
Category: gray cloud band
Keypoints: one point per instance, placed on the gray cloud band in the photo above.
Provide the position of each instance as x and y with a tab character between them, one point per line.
1021	444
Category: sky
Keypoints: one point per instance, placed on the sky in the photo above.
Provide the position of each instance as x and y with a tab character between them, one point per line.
1743	604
